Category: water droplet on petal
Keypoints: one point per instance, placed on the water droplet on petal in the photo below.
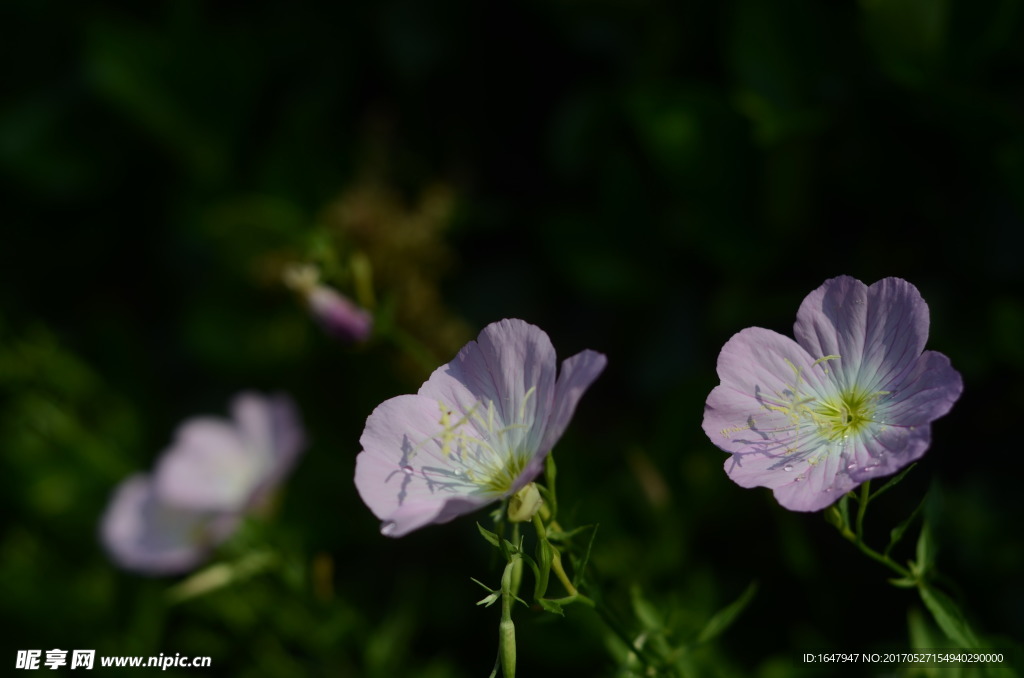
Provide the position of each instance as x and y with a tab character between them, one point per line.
851	467
787	467
407	470
387	528
871	467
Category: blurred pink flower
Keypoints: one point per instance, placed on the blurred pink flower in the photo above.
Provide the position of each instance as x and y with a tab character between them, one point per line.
338	315
214	473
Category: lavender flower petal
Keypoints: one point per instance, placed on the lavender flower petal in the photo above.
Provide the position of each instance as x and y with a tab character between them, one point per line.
852	399
144	534
477	431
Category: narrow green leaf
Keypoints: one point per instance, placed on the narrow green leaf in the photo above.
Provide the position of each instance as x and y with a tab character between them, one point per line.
724	618
892	482
923	634
897	532
491	537
645	612
949	617
580	566
551	606
844	508
925	551
506	547
903	582
493	593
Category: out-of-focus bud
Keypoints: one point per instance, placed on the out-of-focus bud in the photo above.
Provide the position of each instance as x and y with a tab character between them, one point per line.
337	314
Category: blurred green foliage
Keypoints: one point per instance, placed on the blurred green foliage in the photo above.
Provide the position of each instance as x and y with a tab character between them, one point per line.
643	179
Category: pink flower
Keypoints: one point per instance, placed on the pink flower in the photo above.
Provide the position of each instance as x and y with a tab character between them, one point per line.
851	399
478	430
214	473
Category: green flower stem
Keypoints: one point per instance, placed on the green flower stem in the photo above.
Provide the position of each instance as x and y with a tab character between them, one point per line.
556	564
506	628
856	540
856	536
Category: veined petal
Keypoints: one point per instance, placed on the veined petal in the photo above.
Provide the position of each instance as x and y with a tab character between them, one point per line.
577	374
510	367
924	393
207	468
767	380
861	405
220	465
272	432
878	332
412	464
477	431
814	486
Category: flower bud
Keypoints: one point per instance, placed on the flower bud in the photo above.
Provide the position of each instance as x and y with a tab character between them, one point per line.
336	313
339	316
524	504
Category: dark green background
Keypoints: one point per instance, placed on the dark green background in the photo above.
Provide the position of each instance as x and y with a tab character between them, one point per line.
641	178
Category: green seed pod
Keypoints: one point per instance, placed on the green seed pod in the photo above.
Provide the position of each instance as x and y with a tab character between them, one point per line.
507	648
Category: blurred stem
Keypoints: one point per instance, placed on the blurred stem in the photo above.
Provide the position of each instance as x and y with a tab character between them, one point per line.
615	627
220	575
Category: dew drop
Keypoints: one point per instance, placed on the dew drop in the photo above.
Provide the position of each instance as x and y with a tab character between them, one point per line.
787	467
851	467
387	528
407	470
871	467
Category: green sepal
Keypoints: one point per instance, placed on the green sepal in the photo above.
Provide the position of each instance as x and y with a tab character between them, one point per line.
724	618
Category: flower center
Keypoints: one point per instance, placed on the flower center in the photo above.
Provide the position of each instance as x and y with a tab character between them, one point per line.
847	413
484	452
844	412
